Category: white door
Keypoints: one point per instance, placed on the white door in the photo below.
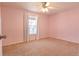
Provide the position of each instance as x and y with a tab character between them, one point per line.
0	47
0	34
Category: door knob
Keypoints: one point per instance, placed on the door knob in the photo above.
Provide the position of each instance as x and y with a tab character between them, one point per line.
2	36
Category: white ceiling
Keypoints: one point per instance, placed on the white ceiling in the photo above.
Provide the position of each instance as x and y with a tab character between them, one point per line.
36	6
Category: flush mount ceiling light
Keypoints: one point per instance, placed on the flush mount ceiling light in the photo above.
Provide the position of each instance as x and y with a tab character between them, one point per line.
45	6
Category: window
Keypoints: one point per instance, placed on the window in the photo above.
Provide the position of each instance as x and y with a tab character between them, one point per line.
32	24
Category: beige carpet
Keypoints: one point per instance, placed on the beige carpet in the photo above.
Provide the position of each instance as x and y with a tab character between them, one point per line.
43	47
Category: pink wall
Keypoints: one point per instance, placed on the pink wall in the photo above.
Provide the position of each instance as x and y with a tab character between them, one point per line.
43	26
65	25
12	25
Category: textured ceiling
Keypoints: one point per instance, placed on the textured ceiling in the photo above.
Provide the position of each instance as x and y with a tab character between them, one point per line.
36	6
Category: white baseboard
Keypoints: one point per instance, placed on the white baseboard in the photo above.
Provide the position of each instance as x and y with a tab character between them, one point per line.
65	39
44	38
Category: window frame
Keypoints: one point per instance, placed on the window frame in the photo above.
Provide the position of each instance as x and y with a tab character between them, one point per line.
35	18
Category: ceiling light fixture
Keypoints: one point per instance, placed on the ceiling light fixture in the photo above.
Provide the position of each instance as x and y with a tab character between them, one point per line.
45	6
